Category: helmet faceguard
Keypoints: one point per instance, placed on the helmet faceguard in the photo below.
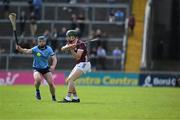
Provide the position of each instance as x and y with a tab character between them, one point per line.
71	35
42	41
42	38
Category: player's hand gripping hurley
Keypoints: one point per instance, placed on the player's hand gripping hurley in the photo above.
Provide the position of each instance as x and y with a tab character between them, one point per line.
92	40
12	17
72	46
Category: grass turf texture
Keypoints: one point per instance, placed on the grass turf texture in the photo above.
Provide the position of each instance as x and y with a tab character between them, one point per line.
18	102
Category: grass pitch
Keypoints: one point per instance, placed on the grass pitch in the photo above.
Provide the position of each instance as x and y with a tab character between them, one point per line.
97	103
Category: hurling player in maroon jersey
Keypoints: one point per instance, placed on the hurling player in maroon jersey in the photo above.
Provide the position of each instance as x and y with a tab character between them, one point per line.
78	50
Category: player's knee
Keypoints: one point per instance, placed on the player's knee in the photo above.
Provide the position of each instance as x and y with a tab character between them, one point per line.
68	80
37	82
36	78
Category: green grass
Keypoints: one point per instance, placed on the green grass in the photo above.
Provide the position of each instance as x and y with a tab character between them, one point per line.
18	102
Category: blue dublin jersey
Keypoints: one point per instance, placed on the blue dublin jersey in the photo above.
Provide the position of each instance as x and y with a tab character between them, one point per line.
41	57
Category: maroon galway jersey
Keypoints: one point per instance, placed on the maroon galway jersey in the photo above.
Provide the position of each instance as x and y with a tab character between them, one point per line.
84	56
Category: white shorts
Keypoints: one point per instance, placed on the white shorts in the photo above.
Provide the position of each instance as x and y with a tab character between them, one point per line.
83	66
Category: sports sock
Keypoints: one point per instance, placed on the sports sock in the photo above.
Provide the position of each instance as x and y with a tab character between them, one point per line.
75	96
53	97
37	90
69	94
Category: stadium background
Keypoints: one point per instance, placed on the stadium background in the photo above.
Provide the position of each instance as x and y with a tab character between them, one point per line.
148	56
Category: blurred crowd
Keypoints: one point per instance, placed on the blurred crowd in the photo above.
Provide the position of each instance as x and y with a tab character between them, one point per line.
98	51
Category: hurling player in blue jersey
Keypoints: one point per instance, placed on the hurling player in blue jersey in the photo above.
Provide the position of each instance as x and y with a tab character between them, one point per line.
41	54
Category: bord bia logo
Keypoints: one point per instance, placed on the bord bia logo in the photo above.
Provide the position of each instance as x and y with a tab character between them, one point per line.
147	82
159	81
9	79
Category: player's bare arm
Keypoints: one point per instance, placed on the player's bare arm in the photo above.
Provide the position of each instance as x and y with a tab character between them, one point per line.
68	47
54	62
23	50
65	48
77	55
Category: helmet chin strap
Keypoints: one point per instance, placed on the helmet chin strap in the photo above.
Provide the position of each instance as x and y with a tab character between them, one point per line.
75	41
42	47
